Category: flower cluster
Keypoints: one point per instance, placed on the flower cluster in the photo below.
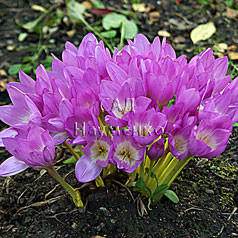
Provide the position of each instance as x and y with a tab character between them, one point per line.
141	101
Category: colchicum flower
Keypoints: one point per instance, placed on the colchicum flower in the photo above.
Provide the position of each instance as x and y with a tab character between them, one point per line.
31	146
126	153
90	165
150	110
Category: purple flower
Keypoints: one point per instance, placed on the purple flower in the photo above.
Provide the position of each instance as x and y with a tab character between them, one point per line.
178	142
190	99
162	82
232	89
23	109
30	146
142	47
156	150
12	166
26	85
146	126
210	137
119	102
204	68
174	115
83	63
90	165
126	153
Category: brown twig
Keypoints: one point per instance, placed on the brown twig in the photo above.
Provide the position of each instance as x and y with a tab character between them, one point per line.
228	219
128	190
193	208
61	213
18	199
52	190
141	209
60	154
38	204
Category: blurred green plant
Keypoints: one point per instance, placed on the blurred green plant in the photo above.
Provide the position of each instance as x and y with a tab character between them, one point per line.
128	28
30	64
158	192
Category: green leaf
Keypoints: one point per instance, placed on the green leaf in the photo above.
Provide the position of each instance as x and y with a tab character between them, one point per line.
149	203
27	59
229	3
14	69
172	196
203	2
235	125
161	189
131	29
59	13
97	4
26	68
146	170
47	62
147	189
172	101
71	160
22	36
152	175
140	184
112	20
75	10
31	25
109	34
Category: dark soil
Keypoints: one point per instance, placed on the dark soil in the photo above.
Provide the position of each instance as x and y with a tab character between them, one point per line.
32	205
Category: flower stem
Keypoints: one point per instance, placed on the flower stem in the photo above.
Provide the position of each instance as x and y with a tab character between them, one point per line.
150	170
171	172
97	33
76	156
162	163
142	167
173	168
122	35
74	193
104	125
178	168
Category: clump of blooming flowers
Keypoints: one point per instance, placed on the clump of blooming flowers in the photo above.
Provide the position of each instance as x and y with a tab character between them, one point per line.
141	103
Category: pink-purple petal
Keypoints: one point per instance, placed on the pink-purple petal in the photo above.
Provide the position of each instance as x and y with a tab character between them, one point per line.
12	166
86	170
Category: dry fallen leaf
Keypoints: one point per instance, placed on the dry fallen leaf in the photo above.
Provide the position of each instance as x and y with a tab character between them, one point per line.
11	47
38	8
140	7
3	72
235	39
87	4
179	39
221	47
154	16
71	33
233	55
164	33
202	32
180	25
97	237
189	50
231	13
232	47
218	54
11	79
2	85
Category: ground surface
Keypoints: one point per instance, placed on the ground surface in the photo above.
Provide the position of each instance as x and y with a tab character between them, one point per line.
33	205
